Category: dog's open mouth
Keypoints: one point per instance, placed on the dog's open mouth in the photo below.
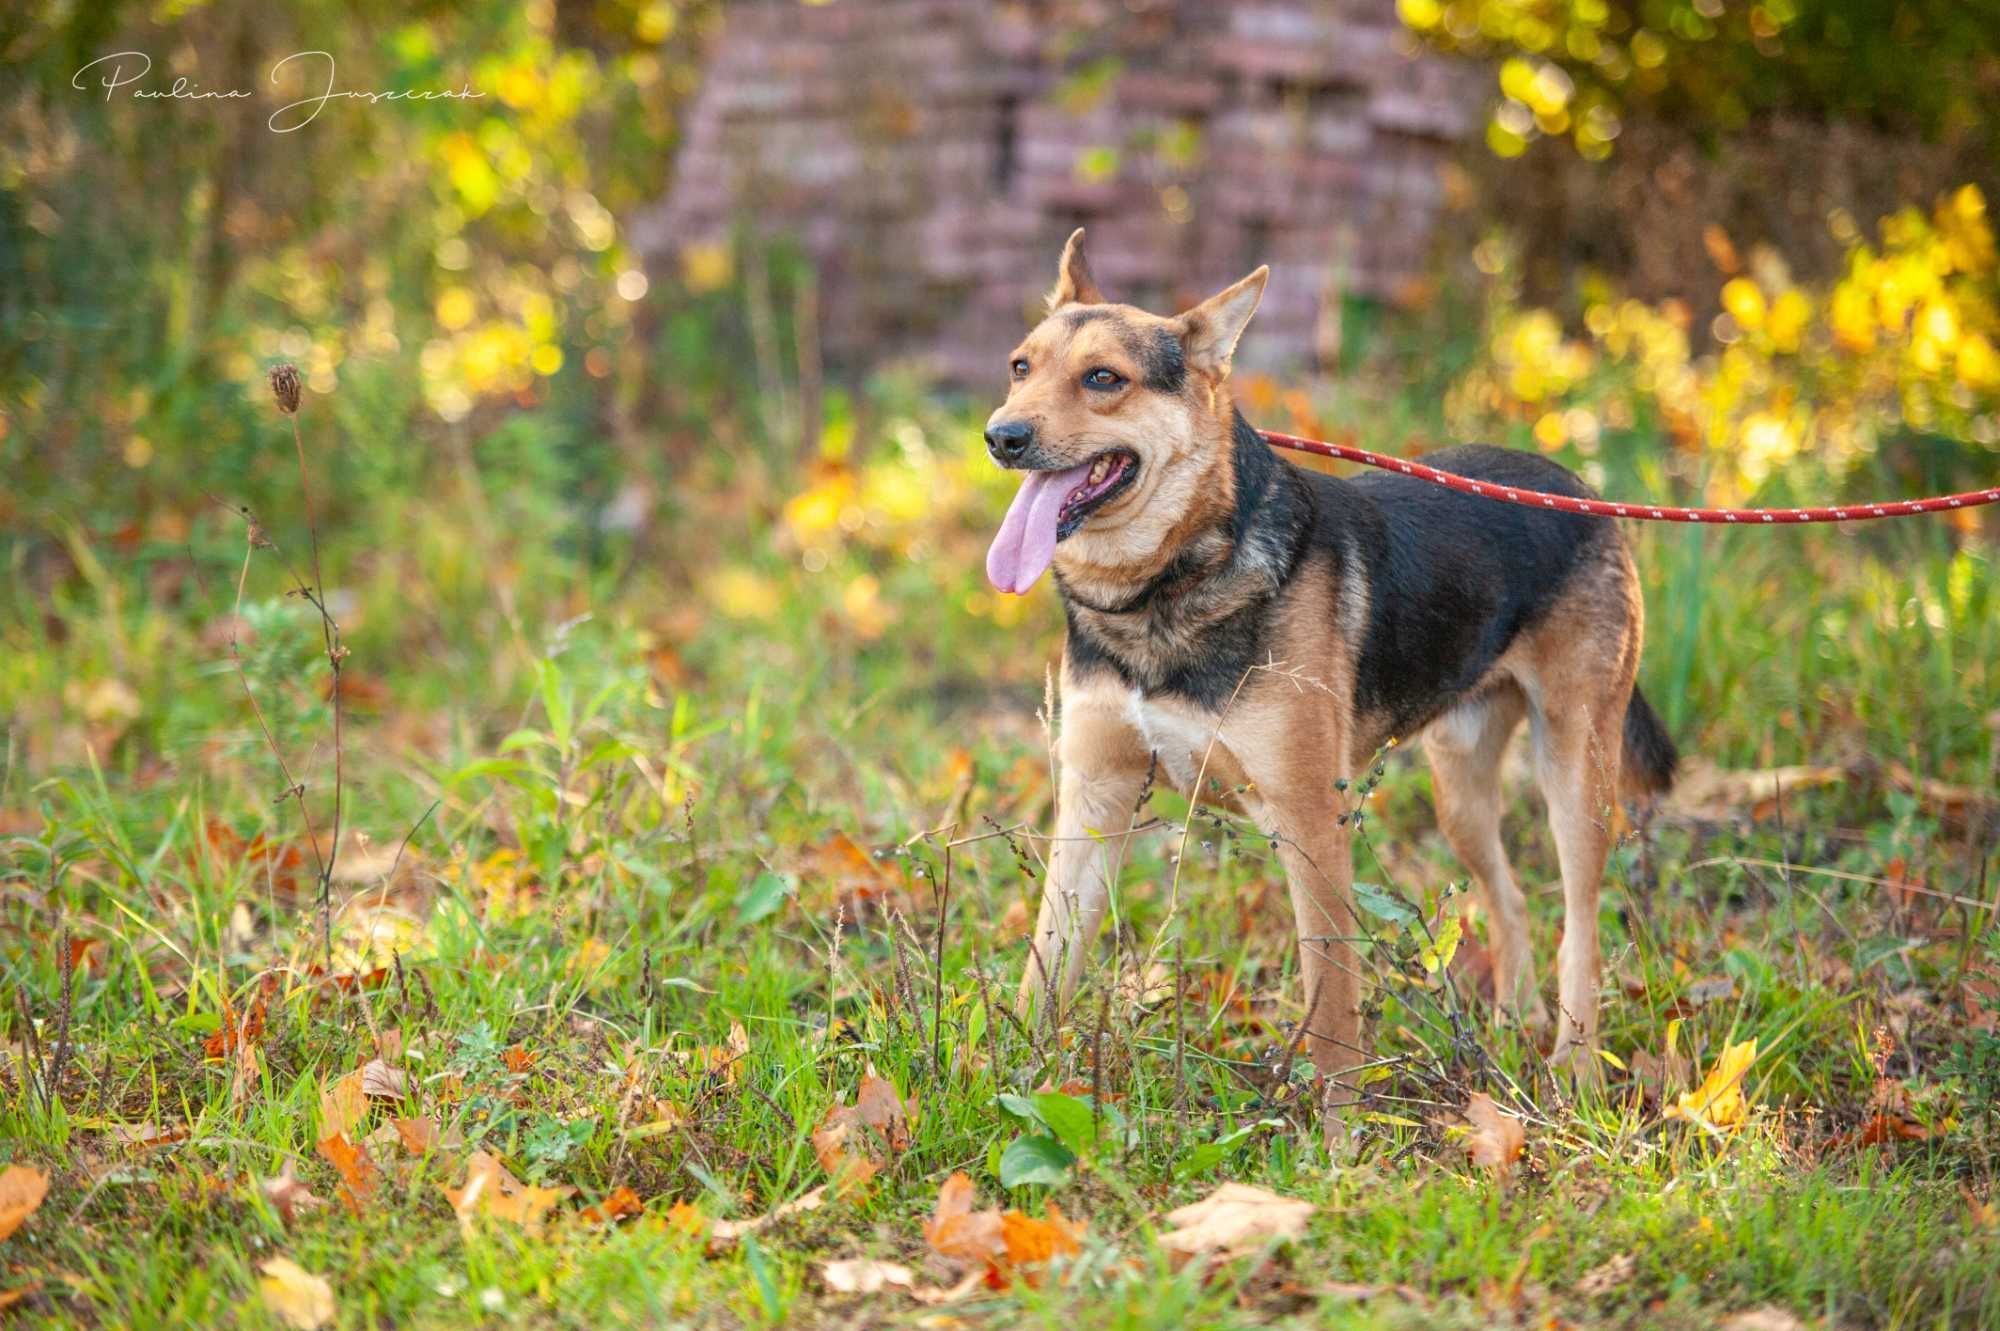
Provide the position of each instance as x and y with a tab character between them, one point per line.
1109	473
1049	506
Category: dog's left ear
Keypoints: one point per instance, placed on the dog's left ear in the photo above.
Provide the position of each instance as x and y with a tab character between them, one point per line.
1074	285
1209	330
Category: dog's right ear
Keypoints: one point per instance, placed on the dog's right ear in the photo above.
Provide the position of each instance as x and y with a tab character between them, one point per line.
1074	285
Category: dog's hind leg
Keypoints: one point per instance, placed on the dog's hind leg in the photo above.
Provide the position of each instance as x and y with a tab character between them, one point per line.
1577	751
1104	766
1465	747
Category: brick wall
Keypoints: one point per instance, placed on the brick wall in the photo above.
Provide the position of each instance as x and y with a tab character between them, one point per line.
930	155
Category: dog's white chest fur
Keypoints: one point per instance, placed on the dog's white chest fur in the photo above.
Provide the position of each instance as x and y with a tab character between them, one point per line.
1181	736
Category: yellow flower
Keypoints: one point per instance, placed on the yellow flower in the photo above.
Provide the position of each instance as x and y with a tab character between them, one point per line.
1719	1102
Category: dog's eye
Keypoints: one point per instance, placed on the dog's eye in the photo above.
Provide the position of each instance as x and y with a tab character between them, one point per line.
1103	378
1020	369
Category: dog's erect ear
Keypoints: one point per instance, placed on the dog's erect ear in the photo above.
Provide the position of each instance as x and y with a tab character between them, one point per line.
1074	285
1209	330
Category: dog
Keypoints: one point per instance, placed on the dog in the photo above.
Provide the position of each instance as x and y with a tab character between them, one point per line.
1239	624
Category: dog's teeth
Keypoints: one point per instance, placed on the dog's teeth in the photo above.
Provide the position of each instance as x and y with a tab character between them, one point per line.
1097	470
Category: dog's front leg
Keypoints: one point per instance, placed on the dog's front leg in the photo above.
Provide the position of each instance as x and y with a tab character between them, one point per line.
1299	810
1104	765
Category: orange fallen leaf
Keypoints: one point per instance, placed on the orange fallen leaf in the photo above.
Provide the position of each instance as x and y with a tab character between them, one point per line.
956	1231
1234	1220
421	1136
22	1188
490	1191
358	1176
846	1140
619	1205
289	1197
10	1297
1496	1139
296	1296
517	1058
1009	1246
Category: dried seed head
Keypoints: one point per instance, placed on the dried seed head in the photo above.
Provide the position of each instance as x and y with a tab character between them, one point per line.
285	387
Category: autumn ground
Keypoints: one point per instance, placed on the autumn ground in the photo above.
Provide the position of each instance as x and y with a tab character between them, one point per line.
679	888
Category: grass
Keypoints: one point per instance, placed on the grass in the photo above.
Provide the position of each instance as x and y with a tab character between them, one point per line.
587	851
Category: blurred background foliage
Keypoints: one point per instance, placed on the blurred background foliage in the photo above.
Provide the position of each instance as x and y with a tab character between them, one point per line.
1706	249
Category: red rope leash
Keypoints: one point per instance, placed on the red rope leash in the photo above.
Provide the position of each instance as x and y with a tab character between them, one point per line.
1603	508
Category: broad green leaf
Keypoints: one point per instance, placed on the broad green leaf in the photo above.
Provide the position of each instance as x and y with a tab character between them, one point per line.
1072	1120
1034	1158
762	897
1384	904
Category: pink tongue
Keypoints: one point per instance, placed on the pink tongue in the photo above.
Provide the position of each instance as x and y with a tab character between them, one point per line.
1026	544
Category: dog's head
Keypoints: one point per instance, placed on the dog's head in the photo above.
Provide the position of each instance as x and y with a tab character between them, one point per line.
1122	421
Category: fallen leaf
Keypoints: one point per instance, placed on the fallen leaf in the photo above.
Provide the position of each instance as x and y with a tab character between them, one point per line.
289	1197
517	1058
1718	1102
1030	1241
421	1136
296	1296
955	1230
146	1135
1234	1220
864	1275
725	1232
358	1176
343	1103
1612	1273
10	1297
1496	1139
621	1204
1008	1246
22	1188
489	1190
1761	1319
851	1140
1717	794
379	1081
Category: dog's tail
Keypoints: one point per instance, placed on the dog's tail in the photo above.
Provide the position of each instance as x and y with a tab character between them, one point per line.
1650	757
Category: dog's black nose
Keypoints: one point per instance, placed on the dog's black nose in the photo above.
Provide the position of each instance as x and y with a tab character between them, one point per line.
1008	440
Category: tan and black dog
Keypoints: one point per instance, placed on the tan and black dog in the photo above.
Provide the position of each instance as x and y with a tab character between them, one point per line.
1239	622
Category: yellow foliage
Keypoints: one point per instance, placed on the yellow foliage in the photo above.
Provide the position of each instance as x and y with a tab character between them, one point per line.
1719	1101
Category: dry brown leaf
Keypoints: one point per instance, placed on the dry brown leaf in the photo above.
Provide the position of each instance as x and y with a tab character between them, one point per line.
489	1190
358	1176
379	1081
728	1231
289	1197
852	1141
296	1296
22	1188
421	1136
864	1275
1496	1139
343	1103
1234	1220
1612	1273
10	1297
1716	794
144	1136
1762	1319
